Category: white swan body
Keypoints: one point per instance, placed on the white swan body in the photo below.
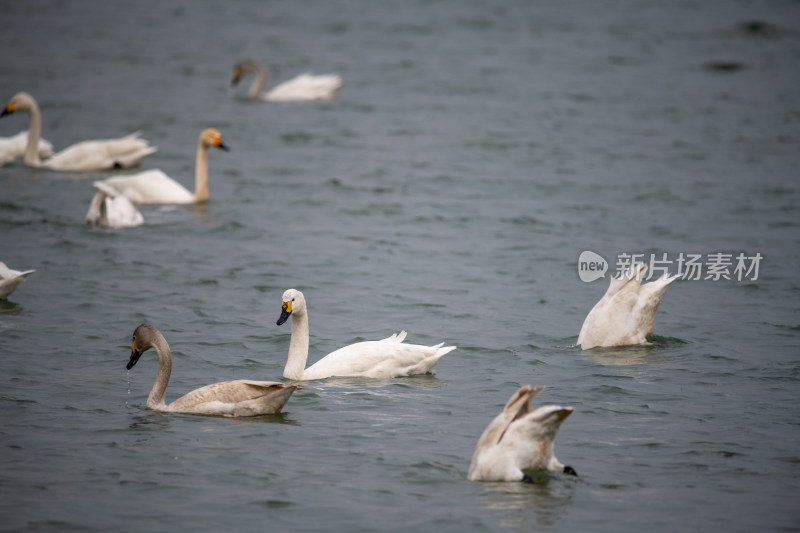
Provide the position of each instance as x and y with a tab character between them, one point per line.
103	154
386	358
10	279
112	210
155	187
227	398
303	88
13	148
626	314
519	439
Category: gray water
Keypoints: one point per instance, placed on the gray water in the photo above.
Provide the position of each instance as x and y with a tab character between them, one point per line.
476	149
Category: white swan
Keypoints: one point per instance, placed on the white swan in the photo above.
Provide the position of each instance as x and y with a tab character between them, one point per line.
387	358
626	314
155	187
305	87
112	210
10	279
102	154
13	148
519	439
227	398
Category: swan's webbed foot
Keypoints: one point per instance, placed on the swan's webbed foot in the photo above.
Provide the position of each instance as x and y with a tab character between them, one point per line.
571	471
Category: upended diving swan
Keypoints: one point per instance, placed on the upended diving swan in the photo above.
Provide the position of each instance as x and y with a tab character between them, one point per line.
10	279
626	314
303	88
112	210
103	154
155	187
13	148
386	358
519	440
227	398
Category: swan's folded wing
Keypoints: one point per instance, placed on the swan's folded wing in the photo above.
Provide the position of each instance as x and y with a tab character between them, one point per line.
226	392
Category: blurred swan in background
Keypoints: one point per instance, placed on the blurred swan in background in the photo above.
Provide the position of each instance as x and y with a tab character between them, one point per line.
155	187
112	210
10	279
303	88
13	148
227	398
519	439
387	358
102	154
626	314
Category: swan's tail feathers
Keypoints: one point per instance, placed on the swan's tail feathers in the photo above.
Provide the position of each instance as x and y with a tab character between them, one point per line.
104	187
134	157
396	337
428	363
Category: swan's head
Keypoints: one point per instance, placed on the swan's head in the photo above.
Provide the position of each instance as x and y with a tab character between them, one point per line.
212	137
293	303
142	341
241	68
19	102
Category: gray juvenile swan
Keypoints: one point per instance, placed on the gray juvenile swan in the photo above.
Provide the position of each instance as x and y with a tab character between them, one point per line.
519	439
303	88
226	398
100	154
387	358
626	314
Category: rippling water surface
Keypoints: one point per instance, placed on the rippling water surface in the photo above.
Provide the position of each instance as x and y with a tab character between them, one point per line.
476	149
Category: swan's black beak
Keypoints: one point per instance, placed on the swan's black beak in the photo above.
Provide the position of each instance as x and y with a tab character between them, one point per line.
135	354
235	79
5	112
223	146
286	310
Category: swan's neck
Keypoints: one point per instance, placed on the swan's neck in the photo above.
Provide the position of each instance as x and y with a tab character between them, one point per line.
257	87
201	193
298	348
156	398
34	134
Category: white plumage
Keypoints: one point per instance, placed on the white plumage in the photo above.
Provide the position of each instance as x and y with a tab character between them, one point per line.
10	279
303	88
13	148
386	358
518	440
155	187
626	314
101	154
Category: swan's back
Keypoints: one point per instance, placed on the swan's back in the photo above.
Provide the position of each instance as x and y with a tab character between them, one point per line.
235	398
306	87
386	358
148	187
125	152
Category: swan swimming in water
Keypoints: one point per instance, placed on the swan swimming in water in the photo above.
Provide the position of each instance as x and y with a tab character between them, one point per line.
519	439
303	88
102	154
626	314
387	358
112	210
155	187
13	148
10	279
227	398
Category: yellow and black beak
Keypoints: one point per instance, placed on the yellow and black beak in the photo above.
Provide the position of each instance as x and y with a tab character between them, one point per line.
286	310
219	144
8	109
135	355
